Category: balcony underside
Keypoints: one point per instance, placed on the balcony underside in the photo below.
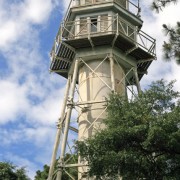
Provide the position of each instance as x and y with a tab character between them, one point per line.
124	44
61	65
61	62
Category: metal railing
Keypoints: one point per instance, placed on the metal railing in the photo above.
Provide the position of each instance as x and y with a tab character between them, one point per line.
87	27
91	27
126	4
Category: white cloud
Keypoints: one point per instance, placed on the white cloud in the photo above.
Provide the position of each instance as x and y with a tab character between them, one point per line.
33	98
153	26
36	11
42	137
30	97
17	19
27	76
65	4
38	136
12	100
41	140
48	111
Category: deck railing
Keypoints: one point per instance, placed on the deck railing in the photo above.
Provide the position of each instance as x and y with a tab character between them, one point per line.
126	4
87	28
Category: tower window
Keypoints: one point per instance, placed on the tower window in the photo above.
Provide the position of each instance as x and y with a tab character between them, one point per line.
94	25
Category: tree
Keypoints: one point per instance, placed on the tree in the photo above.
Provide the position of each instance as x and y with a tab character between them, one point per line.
160	4
141	139
9	171
43	175
172	47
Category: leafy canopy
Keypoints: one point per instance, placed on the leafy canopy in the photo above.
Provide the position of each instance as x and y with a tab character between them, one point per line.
171	48
141	139
158	5
9	171
43	175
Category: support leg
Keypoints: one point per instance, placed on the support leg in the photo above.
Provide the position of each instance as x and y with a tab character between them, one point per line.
67	122
137	81
58	134
112	73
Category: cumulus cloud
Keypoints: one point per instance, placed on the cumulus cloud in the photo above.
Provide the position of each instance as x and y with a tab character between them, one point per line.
47	111
26	78
29	97
153	26
13	101
23	137
65	4
39	135
16	19
36	12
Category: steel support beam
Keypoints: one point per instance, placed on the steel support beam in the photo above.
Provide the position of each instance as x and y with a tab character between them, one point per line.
112	73
145	60
67	121
59	130
137	80
59	71
62	59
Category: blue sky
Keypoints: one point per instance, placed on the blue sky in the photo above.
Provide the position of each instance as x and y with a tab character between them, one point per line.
30	97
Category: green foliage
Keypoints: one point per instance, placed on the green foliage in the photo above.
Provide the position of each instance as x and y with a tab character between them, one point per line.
172	47
43	175
142	138
158	5
8	171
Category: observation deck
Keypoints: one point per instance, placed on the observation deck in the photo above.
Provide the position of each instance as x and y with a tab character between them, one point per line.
125	8
115	31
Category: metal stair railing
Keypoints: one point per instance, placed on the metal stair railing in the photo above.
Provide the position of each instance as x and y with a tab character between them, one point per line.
72	30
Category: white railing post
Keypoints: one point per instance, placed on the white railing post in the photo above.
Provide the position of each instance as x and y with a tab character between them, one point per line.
135	33
110	21
77	27
117	18
60	34
99	24
89	26
112	73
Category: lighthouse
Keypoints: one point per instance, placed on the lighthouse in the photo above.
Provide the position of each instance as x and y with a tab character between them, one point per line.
100	49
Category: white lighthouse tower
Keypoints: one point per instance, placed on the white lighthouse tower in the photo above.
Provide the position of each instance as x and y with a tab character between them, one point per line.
99	49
